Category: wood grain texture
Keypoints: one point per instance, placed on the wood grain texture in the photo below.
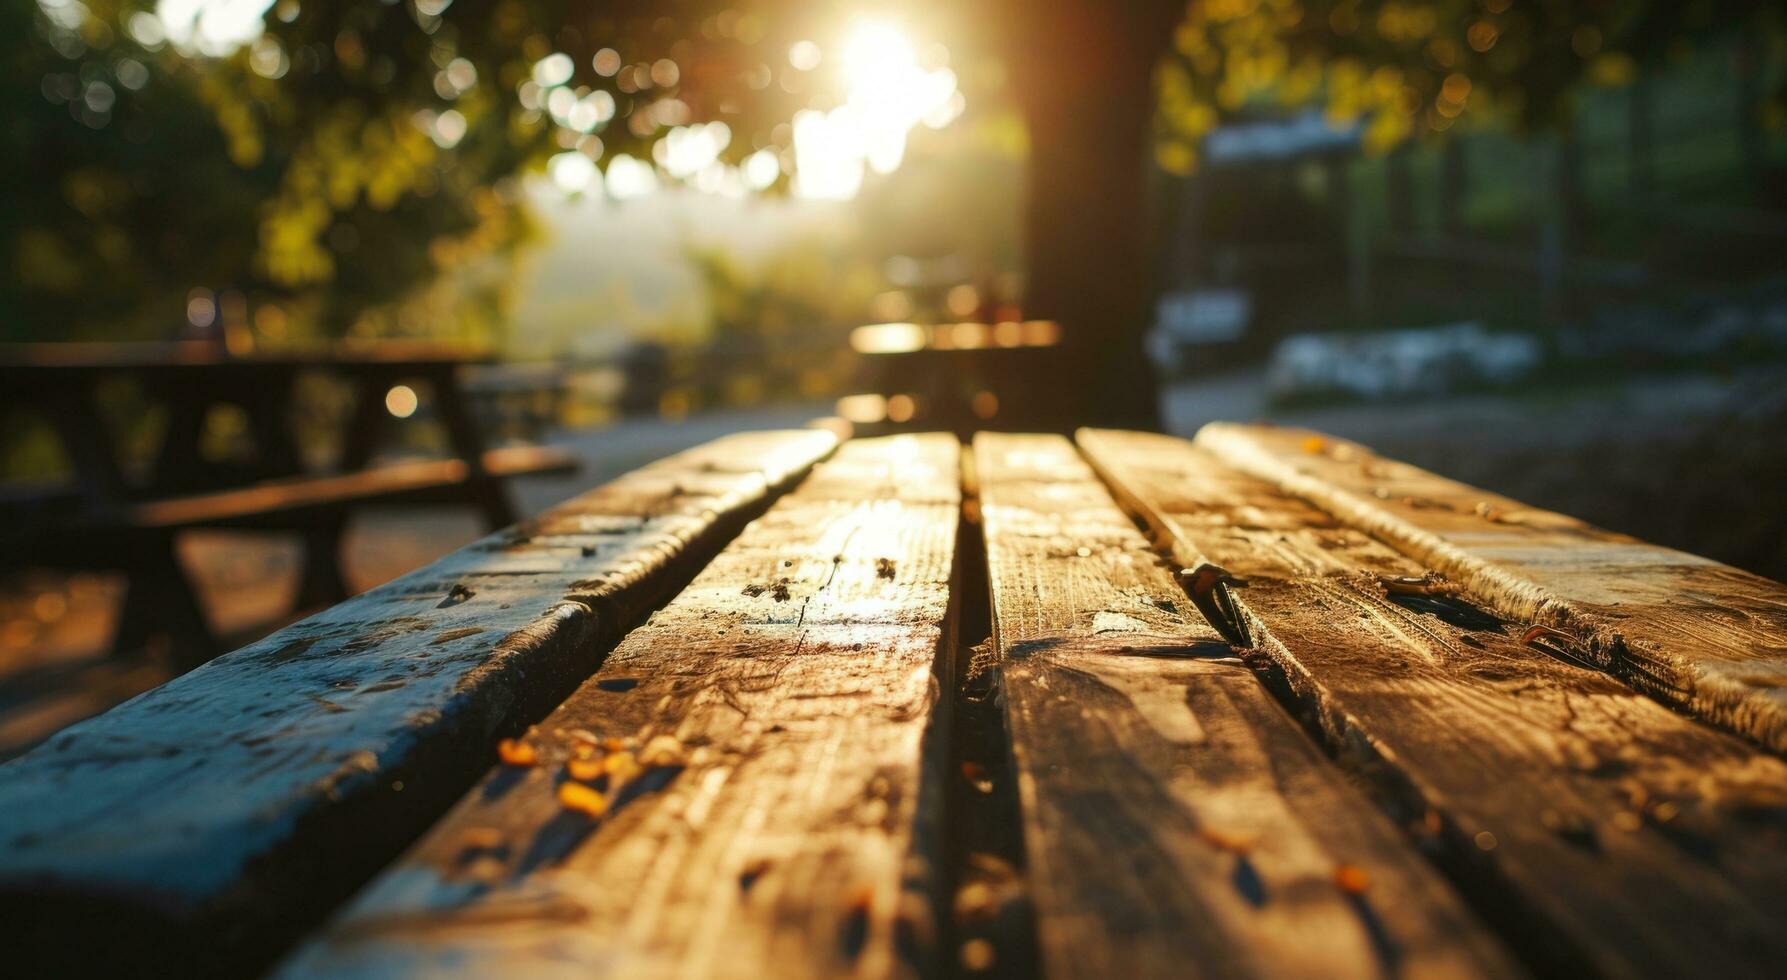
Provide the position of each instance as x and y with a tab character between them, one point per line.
217	816
1613	834
787	837
1177	821
1693	633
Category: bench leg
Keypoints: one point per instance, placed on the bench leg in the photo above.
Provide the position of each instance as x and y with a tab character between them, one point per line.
486	492
136	616
321	583
159	597
177	460
492	500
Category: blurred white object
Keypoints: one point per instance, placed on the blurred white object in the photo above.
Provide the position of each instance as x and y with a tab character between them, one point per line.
1308	132
1186	320
1399	363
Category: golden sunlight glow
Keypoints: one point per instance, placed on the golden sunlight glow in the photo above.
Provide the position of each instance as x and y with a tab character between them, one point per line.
686	150
877	58
211	27
889	93
862	409
884	90
888	338
904	338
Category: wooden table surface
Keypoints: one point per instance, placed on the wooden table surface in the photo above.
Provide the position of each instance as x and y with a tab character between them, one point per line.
1260	703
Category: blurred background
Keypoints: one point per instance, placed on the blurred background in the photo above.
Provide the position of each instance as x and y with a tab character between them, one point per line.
1536	245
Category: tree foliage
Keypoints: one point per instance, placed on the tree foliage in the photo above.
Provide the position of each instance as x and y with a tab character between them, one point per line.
352	166
353	151
1416	68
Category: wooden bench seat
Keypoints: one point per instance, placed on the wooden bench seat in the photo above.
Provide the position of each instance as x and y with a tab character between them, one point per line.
210	821
274	503
1127	705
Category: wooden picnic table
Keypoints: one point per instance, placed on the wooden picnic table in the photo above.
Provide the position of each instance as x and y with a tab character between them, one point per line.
1259	703
114	519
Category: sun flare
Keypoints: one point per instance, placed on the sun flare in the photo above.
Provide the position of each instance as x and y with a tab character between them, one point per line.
888	93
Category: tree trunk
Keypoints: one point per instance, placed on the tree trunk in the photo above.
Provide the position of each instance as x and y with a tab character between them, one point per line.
1083	78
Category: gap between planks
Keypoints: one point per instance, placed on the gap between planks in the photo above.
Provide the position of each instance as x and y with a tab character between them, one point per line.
1599	829
1698	635
1176	820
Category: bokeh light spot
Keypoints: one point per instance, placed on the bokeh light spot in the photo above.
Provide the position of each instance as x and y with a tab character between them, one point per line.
804	55
401	401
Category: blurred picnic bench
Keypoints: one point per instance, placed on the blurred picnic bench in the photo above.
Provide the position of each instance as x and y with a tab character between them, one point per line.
1261	703
108	517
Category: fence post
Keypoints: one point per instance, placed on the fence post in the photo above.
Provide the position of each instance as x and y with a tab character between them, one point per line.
1454	173
1399	198
1558	227
1640	168
1358	244
1747	64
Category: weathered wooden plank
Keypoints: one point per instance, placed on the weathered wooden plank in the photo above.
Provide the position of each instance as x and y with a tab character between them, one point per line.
1693	633
790	688
214	818
1177	821
1606	831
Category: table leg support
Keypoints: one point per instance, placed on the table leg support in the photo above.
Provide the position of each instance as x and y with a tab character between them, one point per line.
321	582
160	597
488	493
